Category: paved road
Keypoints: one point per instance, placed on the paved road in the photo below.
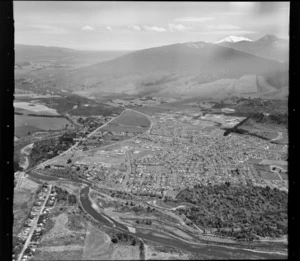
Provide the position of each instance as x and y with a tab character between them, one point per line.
105	124
47	162
34	225
130	139
41	165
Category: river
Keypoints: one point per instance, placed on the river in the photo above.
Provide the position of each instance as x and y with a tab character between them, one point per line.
212	251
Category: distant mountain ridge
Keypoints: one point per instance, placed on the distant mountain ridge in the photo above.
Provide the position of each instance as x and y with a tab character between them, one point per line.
170	69
269	46
180	69
37	53
185	58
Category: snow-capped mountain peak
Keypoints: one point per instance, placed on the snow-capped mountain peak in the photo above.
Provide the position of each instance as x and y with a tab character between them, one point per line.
233	39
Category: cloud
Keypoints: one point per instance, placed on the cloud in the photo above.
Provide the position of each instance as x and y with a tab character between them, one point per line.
223	27
178	27
108	28
49	29
231	13
87	28
135	27
226	32
154	28
195	19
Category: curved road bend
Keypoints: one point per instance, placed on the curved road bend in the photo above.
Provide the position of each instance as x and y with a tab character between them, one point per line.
95	131
76	144
127	140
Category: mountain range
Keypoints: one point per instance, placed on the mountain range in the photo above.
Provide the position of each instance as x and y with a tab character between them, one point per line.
186	69
269	46
61	55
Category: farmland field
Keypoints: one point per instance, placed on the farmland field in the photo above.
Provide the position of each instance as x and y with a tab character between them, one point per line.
34	108
24	130
25	124
130	121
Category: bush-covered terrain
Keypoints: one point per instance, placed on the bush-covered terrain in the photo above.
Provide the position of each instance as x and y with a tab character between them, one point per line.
76	105
47	149
63	195
120	237
98	109
257	108
237	211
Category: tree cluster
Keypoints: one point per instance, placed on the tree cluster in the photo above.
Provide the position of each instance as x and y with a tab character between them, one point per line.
47	149
237	211
121	237
121	194
64	195
144	221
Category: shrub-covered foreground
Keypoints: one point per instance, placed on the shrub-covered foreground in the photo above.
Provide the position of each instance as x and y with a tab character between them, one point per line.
237	211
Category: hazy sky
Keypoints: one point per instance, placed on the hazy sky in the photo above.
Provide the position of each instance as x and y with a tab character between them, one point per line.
139	25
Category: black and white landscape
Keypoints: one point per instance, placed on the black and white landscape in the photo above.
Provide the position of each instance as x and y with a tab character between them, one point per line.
150	130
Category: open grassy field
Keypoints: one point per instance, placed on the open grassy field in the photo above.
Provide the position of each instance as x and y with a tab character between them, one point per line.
68	229
24	130
59	229
98	245
59	253
125	253
155	253
132	118
65	238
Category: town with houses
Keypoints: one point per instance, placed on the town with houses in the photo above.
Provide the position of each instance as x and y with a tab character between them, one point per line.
179	152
